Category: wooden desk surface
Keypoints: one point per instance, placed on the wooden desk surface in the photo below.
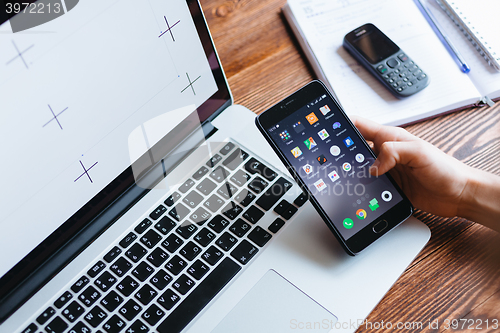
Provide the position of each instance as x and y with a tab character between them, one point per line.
457	275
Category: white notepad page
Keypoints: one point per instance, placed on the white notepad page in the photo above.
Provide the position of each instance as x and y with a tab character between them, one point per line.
325	23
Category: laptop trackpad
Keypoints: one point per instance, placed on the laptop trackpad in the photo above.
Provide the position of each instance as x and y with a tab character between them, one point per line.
276	305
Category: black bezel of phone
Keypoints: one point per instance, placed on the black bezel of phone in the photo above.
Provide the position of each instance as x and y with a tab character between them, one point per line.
287	107
357	53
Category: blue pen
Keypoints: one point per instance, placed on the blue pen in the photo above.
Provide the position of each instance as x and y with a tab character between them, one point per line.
446	42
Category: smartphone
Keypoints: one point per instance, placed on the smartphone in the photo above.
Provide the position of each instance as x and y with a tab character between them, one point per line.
330	160
385	60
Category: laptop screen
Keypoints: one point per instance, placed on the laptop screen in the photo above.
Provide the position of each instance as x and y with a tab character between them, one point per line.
76	88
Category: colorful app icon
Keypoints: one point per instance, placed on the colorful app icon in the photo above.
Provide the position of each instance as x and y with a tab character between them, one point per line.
386	196
348	223
310	143
285	135
321	159
361	214
335	150
308	168
298	127
373	204
323	134
360	158
348	141
336	125
296	152
320	185
325	109
311	118
333	175
346	167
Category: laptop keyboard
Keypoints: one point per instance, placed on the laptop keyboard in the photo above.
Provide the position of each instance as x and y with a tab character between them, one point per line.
176	260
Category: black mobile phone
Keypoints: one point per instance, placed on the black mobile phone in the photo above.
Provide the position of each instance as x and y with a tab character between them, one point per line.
330	160
385	60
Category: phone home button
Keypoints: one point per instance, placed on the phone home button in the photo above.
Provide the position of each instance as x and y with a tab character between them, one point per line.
380	226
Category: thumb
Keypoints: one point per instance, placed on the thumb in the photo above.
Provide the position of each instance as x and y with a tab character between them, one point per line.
392	153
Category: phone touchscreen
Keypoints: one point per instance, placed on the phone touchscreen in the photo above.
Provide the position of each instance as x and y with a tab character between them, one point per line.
333	162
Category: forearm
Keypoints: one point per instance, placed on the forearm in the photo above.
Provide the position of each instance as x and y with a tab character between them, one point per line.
481	199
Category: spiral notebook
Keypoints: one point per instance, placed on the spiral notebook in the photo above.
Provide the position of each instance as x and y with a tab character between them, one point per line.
479	22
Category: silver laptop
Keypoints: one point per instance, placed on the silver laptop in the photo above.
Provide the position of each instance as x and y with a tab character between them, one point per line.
137	197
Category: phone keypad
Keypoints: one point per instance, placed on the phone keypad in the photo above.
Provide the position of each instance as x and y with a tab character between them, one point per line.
404	74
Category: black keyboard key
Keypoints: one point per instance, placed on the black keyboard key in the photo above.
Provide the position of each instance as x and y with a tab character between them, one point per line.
200	216
49	312
105	281
206	186
146	294
151	238
232	210
138	327
289	212
136	252
276	225
89	296
130	309
186	186
187	229
199	297
96	269
235	159
73	311
129	239
218	223
214	160
226	241
227	190
30	329
153	314
96	316
219	174
63	299
165	225
190	250
212	255
198	269
258	185
172	199
244	252
176	265
141	227
57	325
213	203
239	228
227	148
78	285
120	266
245	197
281	207
114	325
274	193
172	243
192	199
259	236
142	271
200	173
79	328
112	254
127	286
300	200
179	212
240	178
155	214
204	237
161	279
183	284
157	257
253	166
168	299
253	214
111	301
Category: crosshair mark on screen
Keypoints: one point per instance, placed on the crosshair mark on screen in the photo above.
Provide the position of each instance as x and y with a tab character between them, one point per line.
169	29
85	171
191	84
20	54
54	117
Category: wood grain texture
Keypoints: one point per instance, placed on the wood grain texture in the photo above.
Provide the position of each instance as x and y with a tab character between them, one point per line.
457	275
